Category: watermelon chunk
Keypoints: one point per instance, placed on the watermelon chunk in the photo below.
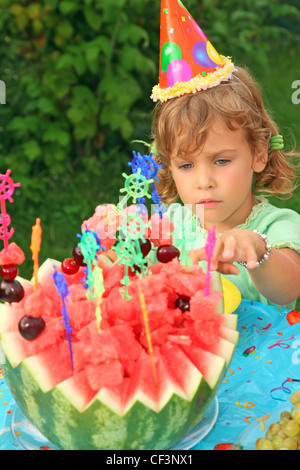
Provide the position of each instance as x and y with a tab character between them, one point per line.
210	365
12	255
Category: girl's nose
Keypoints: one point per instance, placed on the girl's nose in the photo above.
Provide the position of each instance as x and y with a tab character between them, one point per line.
205	178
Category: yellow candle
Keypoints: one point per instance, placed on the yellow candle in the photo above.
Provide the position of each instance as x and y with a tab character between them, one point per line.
35	246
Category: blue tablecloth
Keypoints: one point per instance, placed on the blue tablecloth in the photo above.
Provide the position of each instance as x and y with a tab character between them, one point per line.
263	373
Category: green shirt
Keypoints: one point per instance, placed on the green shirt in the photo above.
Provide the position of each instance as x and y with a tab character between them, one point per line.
282	227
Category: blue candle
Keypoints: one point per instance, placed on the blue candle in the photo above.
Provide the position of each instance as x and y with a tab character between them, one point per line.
63	290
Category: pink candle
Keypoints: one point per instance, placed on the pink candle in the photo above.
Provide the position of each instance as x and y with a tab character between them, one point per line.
209	249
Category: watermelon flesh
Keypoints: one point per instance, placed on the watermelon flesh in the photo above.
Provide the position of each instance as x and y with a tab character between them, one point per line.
120	395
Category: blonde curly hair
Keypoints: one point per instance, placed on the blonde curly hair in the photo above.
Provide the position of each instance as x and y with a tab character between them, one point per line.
186	120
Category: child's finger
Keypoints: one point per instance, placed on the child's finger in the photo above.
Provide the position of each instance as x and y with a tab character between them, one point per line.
229	247
251	258
197	255
227	268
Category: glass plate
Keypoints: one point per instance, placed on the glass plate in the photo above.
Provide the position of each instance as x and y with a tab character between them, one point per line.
248	437
29	438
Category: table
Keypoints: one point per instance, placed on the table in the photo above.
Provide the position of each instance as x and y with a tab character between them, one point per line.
261	377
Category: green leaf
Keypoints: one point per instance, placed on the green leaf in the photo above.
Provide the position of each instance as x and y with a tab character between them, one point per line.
75	115
87	129
133	33
54	134
80	64
26	124
16	9
93	19
64	61
32	150
126	128
47	107
67	7
65	29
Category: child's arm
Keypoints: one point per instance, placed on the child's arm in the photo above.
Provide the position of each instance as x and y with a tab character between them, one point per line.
277	279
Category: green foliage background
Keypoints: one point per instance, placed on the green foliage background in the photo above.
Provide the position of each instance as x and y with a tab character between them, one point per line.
79	75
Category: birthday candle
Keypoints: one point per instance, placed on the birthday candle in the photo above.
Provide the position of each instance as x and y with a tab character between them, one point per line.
99	291
209	249
35	247
63	290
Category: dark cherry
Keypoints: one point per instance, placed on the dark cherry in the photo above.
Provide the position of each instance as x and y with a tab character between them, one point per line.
31	327
9	271
69	266
166	253
78	256
11	291
145	245
183	302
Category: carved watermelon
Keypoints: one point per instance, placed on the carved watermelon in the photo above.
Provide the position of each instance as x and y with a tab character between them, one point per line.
115	398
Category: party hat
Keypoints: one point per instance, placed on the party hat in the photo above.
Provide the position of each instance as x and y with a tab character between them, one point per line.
188	61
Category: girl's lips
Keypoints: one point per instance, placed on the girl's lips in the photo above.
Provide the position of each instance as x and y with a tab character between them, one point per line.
209	203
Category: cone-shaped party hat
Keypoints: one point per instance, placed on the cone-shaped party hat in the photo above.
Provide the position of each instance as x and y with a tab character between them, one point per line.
188	61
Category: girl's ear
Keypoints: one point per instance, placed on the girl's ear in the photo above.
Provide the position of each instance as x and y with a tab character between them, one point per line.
260	161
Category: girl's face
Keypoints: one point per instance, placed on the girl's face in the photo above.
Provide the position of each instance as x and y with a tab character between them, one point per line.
218	177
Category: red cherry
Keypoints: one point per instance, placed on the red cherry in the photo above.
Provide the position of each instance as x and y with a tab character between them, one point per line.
145	245
11	291
78	256
9	271
183	302
69	266
166	253
31	327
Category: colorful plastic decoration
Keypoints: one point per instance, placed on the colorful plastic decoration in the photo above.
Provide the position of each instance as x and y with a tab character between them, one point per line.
35	246
132	259
136	187
98	292
209	249
63	290
129	250
7	188
147	330
149	169
181	242
90	245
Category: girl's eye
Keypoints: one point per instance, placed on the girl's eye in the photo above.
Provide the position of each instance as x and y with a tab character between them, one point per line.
186	166
222	162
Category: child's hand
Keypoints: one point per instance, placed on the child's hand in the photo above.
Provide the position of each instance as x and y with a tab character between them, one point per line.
233	246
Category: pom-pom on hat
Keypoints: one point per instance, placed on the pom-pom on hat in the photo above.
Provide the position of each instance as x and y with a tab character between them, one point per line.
188	61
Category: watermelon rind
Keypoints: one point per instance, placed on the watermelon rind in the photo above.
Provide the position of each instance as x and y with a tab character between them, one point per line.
100	427
46	268
216	285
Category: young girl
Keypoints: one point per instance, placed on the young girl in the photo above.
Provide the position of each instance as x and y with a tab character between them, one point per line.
219	149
